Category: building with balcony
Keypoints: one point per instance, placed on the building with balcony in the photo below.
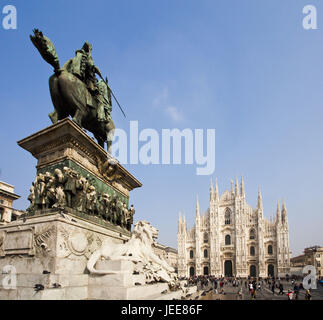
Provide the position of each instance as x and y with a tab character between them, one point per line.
7	196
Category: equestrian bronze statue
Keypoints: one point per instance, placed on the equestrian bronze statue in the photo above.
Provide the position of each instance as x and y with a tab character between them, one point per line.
76	92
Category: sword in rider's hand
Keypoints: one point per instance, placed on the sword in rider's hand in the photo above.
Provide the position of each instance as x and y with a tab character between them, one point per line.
105	81
116	100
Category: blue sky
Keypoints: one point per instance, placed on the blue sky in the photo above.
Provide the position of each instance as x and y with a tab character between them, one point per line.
246	68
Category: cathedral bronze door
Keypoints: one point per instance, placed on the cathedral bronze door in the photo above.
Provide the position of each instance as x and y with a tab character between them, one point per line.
253	271
192	272
228	268
206	271
271	271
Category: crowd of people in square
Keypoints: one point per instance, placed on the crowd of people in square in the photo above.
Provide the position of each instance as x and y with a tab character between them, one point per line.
251	285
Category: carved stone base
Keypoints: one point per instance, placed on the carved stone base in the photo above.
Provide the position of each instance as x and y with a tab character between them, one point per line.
57	245
53	250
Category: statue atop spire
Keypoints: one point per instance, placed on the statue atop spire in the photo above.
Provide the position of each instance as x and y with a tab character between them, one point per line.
197	211
259	205
242	190
237	188
216	190
284	212
278	215
211	191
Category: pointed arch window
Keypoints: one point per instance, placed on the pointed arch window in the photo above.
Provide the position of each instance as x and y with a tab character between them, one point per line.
206	237
227	216
205	253
252	234
270	249
252	251
191	254
227	240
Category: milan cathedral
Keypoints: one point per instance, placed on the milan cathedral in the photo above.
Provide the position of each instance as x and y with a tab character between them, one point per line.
233	239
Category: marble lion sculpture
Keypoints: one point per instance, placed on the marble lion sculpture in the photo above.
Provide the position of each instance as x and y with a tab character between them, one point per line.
139	250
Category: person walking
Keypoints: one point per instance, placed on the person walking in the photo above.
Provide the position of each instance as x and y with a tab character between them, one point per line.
273	288
308	295
250	287
281	289
290	295
239	294
296	291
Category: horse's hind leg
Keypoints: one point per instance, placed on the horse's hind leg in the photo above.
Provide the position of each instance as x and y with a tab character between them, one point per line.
59	112
78	117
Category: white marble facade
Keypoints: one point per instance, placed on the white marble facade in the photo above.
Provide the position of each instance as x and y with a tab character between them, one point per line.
233	239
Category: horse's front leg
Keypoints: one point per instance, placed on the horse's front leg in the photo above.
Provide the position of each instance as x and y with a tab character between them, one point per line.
99	140
110	134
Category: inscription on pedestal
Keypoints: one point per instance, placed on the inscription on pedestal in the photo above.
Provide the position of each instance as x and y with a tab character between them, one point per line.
18	242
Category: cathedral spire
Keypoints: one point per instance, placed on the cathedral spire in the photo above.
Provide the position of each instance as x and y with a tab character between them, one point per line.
184	223
259	205
278	216
284	212
197	211
237	188
216	190
232	190
242	191
211	191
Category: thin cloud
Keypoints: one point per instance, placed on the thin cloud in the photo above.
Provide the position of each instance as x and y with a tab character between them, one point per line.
161	102
161	98
175	114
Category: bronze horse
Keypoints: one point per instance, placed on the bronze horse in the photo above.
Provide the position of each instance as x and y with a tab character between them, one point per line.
70	95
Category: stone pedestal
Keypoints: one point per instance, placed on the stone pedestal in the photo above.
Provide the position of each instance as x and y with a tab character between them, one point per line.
66	145
51	245
52	248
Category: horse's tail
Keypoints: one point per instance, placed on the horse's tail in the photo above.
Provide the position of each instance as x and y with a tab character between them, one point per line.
45	48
